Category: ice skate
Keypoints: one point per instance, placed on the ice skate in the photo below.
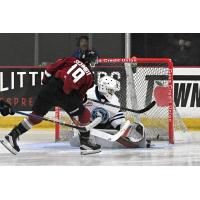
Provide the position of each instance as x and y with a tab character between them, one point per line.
88	147
10	142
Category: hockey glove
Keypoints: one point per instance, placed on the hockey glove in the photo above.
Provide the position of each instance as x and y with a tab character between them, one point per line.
6	108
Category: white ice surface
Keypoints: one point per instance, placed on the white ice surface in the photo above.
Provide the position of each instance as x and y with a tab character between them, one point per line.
38	148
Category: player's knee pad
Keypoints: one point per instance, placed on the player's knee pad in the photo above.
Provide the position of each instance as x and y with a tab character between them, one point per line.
26	123
34	120
84	117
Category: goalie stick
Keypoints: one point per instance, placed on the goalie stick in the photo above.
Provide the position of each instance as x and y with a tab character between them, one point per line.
151	105
110	137
82	128
104	135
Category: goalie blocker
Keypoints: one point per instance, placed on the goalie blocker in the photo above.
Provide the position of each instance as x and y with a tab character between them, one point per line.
5	108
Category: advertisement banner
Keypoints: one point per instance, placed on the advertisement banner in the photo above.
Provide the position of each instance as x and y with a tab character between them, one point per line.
20	86
187	91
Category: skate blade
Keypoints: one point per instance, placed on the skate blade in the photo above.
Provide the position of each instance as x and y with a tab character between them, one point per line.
87	152
8	147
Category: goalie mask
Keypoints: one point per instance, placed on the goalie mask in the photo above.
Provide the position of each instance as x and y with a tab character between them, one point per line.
107	86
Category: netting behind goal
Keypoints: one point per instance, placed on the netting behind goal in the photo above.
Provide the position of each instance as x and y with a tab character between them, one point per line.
141	81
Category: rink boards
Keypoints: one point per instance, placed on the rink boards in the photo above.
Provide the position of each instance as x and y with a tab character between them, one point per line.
19	85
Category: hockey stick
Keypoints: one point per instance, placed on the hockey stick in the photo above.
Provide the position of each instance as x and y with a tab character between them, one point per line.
151	105
81	128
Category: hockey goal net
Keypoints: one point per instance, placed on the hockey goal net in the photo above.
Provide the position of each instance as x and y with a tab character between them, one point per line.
141	81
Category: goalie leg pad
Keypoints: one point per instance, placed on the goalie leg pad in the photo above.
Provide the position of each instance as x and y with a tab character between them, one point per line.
135	133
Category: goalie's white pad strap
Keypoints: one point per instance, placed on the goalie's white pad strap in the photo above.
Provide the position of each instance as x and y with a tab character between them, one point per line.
121	131
93	123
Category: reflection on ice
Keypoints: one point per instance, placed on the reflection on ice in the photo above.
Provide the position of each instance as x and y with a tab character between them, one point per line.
39	148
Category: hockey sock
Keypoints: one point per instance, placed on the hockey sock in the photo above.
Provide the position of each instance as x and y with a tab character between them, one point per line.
84	136
23	127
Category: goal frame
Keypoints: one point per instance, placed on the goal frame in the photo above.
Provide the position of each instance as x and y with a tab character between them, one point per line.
140	60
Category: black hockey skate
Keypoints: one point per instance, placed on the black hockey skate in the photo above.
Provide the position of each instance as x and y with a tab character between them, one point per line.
10	142
88	147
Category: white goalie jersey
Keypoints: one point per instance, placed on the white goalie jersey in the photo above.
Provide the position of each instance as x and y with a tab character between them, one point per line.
112	118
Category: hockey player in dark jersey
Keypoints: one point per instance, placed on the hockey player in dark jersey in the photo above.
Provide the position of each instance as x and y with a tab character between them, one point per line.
65	84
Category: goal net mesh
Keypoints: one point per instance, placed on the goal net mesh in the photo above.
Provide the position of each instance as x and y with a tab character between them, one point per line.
140	82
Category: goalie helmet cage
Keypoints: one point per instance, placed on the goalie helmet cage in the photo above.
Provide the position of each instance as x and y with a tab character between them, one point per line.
140	81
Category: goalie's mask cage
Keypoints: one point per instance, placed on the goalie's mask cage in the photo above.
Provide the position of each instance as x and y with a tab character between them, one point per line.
141	81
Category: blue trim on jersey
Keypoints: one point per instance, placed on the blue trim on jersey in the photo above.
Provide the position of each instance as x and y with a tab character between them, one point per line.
118	115
116	119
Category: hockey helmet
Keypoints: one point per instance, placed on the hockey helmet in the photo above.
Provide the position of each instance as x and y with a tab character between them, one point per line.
89	57
107	86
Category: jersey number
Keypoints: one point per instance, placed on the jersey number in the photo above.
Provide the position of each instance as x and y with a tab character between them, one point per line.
77	74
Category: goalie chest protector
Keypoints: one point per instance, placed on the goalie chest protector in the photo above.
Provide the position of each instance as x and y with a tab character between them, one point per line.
109	113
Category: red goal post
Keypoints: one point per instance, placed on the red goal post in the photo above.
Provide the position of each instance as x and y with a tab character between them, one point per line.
170	83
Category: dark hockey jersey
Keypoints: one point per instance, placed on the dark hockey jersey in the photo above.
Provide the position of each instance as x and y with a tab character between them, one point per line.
75	75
